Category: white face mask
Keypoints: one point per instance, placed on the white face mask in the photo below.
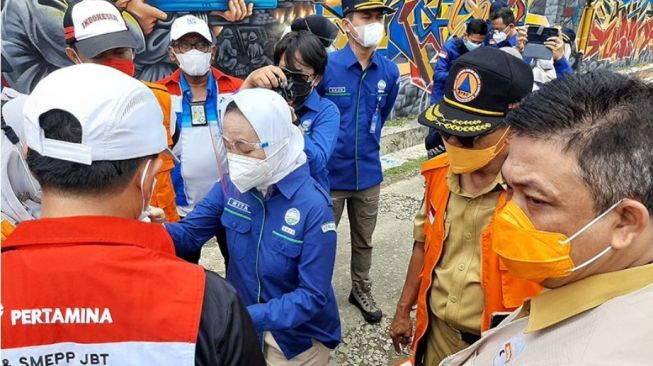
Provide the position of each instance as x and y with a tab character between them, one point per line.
370	35
567	51
145	211
471	46
194	62
499	36
247	173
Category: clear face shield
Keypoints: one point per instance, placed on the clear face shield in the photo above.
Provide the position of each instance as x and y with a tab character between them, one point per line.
234	157
219	149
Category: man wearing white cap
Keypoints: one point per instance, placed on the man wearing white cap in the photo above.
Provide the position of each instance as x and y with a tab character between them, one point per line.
87	283
197	89
96	32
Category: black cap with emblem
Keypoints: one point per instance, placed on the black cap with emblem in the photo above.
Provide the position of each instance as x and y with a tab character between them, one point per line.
360	5
480	87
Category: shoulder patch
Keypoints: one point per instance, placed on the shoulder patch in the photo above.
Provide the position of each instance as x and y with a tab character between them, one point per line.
329	226
443	54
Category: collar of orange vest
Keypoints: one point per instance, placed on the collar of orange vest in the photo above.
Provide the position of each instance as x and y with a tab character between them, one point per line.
81	230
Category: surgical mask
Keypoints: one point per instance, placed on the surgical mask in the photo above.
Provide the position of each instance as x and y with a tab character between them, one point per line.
533	254
567	51
146	201
545	64
471	46
499	36
370	35
125	65
194	62
246	172
463	160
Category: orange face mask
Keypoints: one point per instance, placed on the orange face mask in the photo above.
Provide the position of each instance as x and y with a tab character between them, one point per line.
533	254
468	160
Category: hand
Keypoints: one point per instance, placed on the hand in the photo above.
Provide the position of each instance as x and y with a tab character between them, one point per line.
146	15
295	119
156	215
121	4
401	331
238	11
522	39
557	46
268	77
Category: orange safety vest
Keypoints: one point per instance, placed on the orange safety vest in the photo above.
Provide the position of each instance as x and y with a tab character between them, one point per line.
98	291
502	292
7	229
164	192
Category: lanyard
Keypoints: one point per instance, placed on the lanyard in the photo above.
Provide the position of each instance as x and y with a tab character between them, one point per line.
210	104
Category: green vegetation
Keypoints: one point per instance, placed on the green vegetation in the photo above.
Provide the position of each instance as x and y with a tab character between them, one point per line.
399	121
410	167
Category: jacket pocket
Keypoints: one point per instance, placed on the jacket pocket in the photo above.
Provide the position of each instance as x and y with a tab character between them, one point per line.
238	234
284	253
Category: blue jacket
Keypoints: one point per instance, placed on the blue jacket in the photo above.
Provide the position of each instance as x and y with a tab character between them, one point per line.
365	99
282	251
452	49
320	119
563	68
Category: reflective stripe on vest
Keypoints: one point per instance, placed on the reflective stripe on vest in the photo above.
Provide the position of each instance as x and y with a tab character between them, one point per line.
164	192
105	303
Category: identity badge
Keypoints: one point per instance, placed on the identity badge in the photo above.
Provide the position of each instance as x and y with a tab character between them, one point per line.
198	114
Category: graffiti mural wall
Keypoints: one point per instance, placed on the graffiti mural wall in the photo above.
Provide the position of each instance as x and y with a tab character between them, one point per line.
620	33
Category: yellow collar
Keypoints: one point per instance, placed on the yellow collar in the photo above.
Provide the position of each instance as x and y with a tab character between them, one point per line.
453	181
553	306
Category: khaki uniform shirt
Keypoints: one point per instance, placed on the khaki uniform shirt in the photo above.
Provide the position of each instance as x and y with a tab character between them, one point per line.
456	296
604	319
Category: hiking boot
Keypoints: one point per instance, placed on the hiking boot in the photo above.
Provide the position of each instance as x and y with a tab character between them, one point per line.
361	297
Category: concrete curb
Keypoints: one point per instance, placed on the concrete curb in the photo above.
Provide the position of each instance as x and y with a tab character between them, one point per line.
402	137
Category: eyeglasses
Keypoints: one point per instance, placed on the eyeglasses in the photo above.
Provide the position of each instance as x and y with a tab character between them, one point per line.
242	146
297	75
467	142
185	46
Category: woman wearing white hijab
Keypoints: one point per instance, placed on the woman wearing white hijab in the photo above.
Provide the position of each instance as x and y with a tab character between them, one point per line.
280	231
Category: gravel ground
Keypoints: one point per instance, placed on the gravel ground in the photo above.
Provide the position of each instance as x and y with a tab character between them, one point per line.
362	343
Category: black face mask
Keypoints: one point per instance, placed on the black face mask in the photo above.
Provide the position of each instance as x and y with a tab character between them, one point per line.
298	88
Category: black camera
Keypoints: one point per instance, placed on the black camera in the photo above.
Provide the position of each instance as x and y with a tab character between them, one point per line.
286	91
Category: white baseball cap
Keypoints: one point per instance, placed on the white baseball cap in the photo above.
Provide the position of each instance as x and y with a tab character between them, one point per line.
120	117
95	26
189	24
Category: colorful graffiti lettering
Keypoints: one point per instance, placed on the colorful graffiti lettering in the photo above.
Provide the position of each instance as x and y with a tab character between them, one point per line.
620	29
621	32
419	29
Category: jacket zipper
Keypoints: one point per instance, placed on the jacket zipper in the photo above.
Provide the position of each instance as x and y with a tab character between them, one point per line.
258	248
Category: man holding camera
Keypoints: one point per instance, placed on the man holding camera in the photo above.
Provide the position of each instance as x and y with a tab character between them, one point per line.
363	85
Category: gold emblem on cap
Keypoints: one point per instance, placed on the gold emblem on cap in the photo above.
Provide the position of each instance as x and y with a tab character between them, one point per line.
434	115
466	86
